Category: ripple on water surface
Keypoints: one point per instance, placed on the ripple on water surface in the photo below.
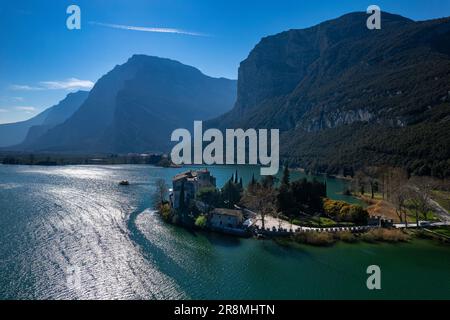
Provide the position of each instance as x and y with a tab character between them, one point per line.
59	219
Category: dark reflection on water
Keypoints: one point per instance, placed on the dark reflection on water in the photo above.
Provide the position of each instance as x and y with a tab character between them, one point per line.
284	251
152	252
222	240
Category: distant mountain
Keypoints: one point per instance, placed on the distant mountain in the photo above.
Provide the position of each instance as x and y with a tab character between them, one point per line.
15	133
345	96
136	106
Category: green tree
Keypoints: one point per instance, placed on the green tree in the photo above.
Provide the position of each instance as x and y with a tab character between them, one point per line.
210	197
268	182
285	180
182	202
358	215
285	198
231	194
253	181
308	195
343	211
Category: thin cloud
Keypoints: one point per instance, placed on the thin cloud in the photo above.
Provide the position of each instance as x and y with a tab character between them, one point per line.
3	110
20	87
148	29
27	109
68	84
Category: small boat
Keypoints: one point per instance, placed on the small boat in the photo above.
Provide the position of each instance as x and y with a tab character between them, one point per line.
124	183
260	236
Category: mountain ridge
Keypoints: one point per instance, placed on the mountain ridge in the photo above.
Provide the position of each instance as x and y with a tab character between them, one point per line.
339	92
136	105
311	82
13	134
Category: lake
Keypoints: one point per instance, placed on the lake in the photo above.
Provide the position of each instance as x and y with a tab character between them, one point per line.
75	222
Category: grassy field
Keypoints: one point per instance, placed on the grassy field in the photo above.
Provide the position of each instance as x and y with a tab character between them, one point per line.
443	198
445	231
378	206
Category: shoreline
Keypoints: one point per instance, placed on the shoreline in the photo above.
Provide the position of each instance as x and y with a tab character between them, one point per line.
333	176
63	159
377	236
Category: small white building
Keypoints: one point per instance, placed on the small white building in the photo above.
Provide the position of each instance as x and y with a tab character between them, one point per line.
226	218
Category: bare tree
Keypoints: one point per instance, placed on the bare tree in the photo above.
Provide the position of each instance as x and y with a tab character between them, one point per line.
382	175
261	198
388	176
420	196
359	182
399	199
371	177
398	192
161	193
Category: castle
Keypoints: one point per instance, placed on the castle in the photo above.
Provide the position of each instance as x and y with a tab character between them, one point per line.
193	181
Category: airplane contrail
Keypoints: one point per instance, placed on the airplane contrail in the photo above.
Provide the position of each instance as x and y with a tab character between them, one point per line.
148	29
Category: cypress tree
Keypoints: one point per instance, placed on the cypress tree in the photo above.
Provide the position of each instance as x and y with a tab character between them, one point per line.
286	176
253	182
181	200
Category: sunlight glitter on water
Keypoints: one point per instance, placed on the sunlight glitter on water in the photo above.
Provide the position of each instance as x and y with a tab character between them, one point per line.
79	172
53	219
78	219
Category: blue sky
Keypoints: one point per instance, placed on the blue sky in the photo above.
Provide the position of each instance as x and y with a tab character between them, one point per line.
41	60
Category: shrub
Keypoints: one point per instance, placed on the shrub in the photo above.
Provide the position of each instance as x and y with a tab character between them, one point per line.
385	235
346	237
201	221
358	214
165	211
315	238
369	237
333	207
343	211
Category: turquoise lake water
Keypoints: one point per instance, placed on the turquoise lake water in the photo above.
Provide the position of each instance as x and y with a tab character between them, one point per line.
57	219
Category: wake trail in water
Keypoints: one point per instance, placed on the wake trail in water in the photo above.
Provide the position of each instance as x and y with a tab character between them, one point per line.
155	255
